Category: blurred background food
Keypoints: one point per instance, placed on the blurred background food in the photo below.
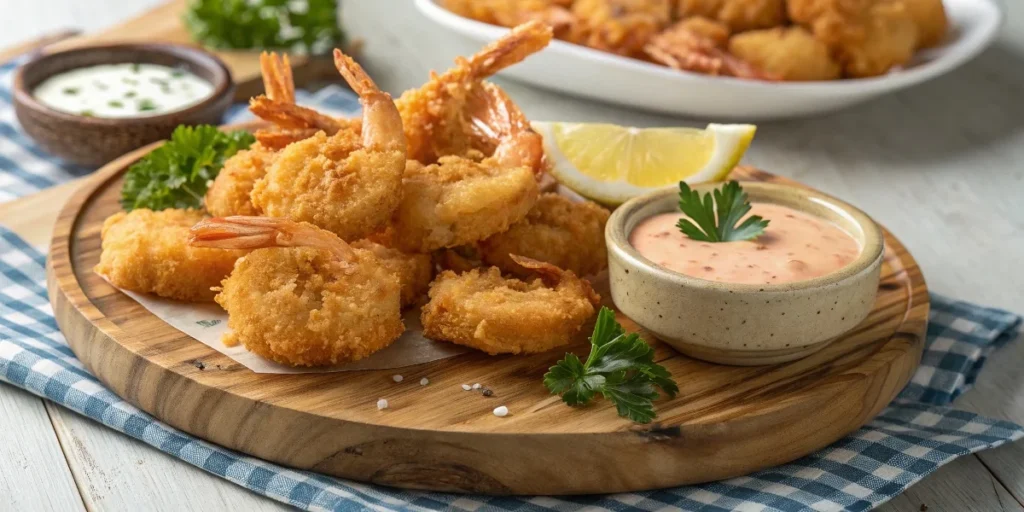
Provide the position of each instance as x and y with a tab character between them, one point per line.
298	26
758	39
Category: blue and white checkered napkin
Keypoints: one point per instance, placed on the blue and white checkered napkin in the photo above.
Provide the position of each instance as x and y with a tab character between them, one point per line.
908	440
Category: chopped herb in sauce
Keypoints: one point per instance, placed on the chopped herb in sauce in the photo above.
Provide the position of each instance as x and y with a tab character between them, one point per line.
87	113
115	104
130	94
146	104
70	91
159	81
177	73
136	68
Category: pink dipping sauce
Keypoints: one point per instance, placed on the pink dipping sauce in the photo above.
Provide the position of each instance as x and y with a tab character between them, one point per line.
794	247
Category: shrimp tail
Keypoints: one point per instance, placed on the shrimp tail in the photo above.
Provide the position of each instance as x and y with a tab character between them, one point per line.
553	276
495	117
277	77
512	48
292	116
243	232
382	124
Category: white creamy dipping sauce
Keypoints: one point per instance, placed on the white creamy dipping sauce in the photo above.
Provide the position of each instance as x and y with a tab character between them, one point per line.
122	90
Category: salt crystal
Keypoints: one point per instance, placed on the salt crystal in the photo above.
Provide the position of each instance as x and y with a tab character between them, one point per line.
501	411
398	378
476	386
466	387
424	381
383	404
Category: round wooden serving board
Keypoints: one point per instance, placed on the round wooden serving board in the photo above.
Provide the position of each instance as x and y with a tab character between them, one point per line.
726	421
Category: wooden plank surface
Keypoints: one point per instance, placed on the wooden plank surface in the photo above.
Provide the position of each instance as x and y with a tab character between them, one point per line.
953	146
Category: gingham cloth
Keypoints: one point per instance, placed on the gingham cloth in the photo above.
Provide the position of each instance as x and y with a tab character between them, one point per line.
908	440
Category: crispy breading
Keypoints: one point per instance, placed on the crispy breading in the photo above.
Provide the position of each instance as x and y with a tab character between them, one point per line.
146	251
413	271
889	41
458	201
622	27
510	13
302	307
791	53
930	18
738	15
229	193
685	47
714	31
499	315
557	230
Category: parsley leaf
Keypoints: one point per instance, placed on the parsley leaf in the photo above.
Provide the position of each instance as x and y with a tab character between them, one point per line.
305	26
177	174
620	367
730	205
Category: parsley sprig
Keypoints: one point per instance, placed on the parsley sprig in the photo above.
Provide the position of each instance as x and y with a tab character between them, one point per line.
730	204
177	174
620	367
305	26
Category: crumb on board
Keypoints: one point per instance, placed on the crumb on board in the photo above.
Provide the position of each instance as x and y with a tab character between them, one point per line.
501	411
398	378
382	404
476	386
424	381
487	392
199	364
466	387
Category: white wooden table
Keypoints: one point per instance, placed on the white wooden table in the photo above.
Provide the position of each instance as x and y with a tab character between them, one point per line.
941	165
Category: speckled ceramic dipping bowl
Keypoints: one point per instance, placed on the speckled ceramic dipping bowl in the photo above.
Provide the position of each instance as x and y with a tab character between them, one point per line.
744	324
94	141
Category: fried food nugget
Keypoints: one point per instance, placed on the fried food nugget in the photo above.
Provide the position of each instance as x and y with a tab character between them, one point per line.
413	271
890	38
229	193
622	27
457	201
930	18
712	30
791	53
303	297
498	315
737	15
347	183
557	230
510	13
146	251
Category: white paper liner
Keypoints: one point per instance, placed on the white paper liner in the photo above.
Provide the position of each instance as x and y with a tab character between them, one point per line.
207	322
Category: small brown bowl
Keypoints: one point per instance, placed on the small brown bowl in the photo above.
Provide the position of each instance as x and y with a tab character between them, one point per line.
93	141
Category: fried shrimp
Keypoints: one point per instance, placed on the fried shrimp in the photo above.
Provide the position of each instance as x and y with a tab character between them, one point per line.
498	315
457	201
622	27
229	192
683	46
148	252
346	183
557	230
293	123
443	117
302	297
413	271
791	53
509	13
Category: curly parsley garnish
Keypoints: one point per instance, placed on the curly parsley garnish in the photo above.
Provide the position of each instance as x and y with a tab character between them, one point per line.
730	203
306	26
621	367
176	174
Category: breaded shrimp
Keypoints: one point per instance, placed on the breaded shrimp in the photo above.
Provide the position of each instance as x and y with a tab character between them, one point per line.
498	315
229	192
738	15
457	201
622	27
684	47
559	231
715	31
345	183
791	53
930	18
509	13
148	252
302	297
443	117
413	271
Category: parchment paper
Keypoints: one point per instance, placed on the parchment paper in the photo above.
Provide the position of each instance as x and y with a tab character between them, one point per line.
207	322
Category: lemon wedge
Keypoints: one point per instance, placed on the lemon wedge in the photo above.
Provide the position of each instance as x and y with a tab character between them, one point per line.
611	164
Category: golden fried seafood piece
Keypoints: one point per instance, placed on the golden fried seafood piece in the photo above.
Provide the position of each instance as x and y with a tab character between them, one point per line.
833	22
443	117
345	183
682	47
413	271
302	297
890	38
509	13
622	27
148	252
498	315
458	201
791	53
710	29
931	21
557	230
229	192
738	15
